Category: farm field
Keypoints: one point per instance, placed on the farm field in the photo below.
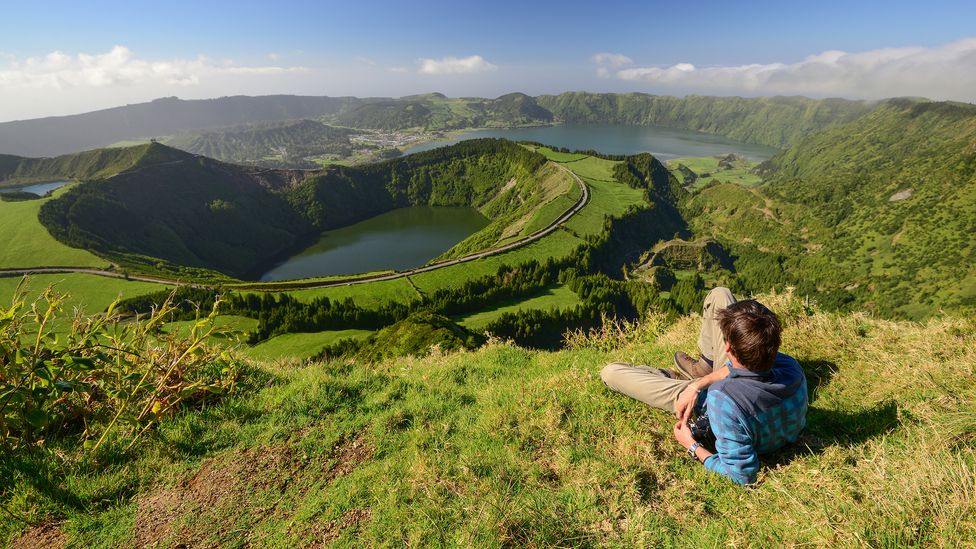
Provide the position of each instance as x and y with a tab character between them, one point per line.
707	168
28	244
88	293
300	346
554	297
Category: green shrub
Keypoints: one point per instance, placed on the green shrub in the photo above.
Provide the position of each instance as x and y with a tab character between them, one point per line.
96	375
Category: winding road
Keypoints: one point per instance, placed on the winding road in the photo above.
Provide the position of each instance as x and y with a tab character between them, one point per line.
349	281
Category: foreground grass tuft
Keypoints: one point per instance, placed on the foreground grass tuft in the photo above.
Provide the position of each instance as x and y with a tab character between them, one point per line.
505	446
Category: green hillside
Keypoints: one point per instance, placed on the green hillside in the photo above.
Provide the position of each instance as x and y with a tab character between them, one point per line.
271	144
204	214
505	446
95	164
773	121
877	213
436	112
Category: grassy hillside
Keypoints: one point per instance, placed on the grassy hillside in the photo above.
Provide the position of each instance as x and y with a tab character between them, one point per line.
504	446
95	164
875	214
773	121
29	244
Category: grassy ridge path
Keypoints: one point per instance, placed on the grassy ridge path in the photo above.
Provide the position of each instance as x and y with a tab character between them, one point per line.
349	281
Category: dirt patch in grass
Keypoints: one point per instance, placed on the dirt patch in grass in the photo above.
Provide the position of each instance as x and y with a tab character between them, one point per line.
348	454
223	482
47	536
328	532
216	501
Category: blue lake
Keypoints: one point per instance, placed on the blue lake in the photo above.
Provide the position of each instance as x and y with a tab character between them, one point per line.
664	143
40	189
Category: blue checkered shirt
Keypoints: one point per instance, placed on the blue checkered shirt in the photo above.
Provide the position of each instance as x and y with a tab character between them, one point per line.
754	413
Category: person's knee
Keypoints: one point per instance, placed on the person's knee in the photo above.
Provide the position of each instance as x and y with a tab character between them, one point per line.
719	297
609	372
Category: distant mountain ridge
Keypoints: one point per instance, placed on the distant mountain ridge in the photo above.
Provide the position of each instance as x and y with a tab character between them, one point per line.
66	134
774	121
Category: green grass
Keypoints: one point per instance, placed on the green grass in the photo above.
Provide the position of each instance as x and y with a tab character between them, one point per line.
300	346
28	244
556	155
231	326
740	173
88	293
505	446
365	295
554	297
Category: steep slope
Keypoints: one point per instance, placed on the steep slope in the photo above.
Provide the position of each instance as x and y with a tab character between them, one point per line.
95	164
897	191
194	212
506	446
878	213
773	121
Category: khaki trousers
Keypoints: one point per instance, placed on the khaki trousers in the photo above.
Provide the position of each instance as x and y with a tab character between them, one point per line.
650	385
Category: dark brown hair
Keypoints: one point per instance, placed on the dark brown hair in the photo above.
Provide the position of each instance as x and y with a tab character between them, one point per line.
753	331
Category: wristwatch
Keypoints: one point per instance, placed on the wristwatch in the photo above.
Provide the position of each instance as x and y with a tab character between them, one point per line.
694	448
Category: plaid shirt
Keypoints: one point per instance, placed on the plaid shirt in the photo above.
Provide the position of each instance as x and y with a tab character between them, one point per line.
754	413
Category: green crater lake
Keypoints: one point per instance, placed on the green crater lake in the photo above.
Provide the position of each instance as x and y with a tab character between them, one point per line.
399	239
664	143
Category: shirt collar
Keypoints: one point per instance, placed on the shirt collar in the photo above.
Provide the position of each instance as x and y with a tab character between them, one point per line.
742	372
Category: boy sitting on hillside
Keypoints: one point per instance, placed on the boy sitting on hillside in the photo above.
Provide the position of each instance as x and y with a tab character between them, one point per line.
755	397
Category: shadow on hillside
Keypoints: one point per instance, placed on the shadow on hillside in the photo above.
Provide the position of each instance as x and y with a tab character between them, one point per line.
818	374
828	427
837	427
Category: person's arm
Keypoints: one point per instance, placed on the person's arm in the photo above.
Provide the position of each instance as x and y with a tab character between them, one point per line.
684	405
736	456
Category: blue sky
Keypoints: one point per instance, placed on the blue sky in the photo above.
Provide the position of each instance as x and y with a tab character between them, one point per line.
62	57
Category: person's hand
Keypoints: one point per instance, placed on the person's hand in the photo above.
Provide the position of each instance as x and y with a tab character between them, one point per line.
683	434
684	405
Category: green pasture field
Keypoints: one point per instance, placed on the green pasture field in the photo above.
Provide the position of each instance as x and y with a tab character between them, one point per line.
556	296
89	293
232	326
28	244
300	346
741	174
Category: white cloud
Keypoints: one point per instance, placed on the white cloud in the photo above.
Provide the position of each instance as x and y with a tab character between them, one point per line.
118	67
944	72
613	60
456	65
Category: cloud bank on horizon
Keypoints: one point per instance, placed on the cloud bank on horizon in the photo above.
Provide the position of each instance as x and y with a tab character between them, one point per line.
946	72
59	83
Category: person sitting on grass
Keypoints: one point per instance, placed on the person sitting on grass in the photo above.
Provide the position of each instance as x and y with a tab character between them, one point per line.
755	397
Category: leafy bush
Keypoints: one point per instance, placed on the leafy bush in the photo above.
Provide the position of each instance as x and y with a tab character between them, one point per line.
96	375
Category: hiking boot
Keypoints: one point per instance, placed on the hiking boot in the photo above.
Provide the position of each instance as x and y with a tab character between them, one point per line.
669	373
691	368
